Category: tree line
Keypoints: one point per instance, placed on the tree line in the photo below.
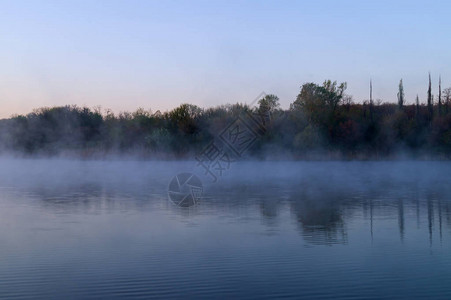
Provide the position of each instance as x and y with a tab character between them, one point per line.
322	122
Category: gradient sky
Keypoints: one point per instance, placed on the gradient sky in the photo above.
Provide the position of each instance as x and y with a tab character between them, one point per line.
157	54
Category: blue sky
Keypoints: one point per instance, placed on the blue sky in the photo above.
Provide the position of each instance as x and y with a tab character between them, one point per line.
157	54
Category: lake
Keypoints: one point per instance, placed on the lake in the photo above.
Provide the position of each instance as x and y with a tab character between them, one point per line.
107	229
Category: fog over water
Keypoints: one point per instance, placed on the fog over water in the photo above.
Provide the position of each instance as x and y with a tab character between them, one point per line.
71	228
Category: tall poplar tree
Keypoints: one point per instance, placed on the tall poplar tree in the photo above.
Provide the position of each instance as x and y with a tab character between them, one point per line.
430	108
400	95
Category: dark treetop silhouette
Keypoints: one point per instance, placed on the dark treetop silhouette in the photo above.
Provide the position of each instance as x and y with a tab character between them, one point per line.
322	122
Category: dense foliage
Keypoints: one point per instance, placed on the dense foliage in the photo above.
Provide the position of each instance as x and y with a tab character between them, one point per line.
322	122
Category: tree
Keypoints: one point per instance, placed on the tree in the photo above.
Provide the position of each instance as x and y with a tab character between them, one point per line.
347	101
334	93
268	104
447	95
371	100
430	108
315	98
417	108
400	95
439	95
183	117
319	104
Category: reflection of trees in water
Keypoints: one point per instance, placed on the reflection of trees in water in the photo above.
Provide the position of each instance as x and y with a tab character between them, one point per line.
89	197
319	216
322	210
321	205
401	218
269	210
427	205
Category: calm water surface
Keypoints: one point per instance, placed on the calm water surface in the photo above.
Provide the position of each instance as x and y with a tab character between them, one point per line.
71	229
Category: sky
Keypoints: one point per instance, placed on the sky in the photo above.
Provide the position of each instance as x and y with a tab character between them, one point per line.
122	55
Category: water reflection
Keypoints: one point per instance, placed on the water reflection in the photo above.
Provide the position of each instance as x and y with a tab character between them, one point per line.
323	208
320	205
320	221
296	224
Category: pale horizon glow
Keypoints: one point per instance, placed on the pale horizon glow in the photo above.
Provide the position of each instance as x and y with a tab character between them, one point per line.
123	55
